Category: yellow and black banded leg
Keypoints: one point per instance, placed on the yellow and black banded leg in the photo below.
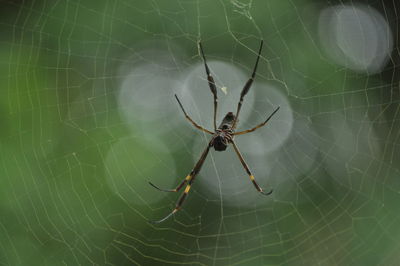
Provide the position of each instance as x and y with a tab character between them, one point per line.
179	203
258	126
191	120
259	189
190	178
175	189
212	85
247	86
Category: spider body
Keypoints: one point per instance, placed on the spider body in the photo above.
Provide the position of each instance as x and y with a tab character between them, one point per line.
221	136
224	134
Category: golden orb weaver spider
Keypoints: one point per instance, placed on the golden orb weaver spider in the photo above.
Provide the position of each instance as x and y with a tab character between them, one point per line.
221	137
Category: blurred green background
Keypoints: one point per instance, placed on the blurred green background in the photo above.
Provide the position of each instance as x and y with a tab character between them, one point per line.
88	116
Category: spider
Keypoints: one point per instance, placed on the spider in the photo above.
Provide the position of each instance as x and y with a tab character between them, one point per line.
221	137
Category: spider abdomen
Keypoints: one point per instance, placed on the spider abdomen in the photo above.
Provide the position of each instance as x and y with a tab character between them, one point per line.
221	140
220	143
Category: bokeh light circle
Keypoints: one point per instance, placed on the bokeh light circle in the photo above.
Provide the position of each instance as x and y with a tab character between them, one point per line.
356	36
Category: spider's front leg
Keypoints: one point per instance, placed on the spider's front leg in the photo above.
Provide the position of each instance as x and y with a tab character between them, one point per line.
247	86
190	120
211	84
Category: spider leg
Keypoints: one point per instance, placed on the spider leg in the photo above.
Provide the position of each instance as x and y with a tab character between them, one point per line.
211	83
175	189
247	86
259	189
258	126
190	178
191	120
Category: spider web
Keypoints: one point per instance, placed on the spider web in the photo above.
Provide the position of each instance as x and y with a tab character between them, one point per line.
89	117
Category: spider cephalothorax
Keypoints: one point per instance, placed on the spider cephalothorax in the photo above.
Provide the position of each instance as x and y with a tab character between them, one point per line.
221	136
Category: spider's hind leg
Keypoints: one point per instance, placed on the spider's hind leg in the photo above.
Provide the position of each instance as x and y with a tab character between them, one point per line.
175	189
190	178
259	189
